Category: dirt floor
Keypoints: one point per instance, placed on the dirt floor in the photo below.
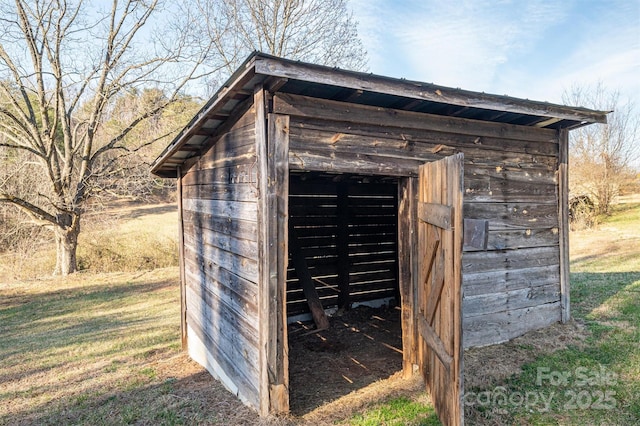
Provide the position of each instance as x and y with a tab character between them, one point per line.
359	360
362	346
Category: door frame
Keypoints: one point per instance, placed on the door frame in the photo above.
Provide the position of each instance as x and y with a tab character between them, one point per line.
411	278
274	170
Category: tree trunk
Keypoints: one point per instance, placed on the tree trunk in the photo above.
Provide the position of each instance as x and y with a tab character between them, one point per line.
66	244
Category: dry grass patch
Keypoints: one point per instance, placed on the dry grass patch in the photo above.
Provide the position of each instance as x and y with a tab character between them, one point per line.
96	349
128	237
103	349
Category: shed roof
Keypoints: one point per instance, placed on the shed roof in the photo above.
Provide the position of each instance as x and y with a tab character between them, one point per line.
283	75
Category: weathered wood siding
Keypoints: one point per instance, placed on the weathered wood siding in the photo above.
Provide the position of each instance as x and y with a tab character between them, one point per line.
510	179
219	202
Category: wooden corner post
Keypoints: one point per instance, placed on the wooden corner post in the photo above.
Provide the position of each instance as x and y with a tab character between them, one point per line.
278	202
272	152
407	202
183	284
263	246
563	221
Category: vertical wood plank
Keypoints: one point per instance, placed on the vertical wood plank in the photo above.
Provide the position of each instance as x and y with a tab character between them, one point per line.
414	189
183	284
456	180
442	322
435	374
563	216
441	355
263	246
278	201
406	260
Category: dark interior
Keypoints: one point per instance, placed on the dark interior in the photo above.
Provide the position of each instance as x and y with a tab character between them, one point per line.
344	224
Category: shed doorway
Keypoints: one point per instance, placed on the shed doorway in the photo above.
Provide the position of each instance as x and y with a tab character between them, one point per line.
343	261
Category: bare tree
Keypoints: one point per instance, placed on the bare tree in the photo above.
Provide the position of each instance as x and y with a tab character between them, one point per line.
82	84
318	31
602	156
64	65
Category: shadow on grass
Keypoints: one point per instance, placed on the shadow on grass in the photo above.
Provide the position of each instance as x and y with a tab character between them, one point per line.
626	207
594	382
15	309
195	399
590	290
71	332
145	211
96	353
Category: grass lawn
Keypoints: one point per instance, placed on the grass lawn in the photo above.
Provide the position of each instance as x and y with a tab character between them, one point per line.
103	348
597	380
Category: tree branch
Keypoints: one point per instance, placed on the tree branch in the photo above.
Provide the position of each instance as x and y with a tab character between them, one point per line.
31	209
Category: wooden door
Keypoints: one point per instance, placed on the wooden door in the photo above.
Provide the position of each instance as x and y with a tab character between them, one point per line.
439	296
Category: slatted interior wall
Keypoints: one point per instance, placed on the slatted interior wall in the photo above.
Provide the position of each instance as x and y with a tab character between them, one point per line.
372	238
221	259
510	179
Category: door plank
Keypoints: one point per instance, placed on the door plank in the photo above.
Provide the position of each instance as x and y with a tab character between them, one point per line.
439	322
436	291
436	214
428	266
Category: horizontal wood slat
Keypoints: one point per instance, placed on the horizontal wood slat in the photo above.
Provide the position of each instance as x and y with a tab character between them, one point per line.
513	215
505	280
436	214
222	208
500	327
244	267
241	247
239	293
198	223
207	297
228	192
317	160
509	300
239	173
301	106
508	260
491	186
424	142
511	239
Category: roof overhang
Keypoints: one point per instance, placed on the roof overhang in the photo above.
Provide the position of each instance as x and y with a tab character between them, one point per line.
282	75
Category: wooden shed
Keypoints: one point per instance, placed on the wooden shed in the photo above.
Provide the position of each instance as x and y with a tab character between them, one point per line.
303	187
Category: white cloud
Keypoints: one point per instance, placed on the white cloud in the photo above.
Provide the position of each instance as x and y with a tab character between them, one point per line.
606	49
533	49
453	43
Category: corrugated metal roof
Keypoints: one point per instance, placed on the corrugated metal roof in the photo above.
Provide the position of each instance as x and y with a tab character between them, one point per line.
360	88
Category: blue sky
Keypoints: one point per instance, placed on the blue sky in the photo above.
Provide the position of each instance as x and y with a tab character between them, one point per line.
532	49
